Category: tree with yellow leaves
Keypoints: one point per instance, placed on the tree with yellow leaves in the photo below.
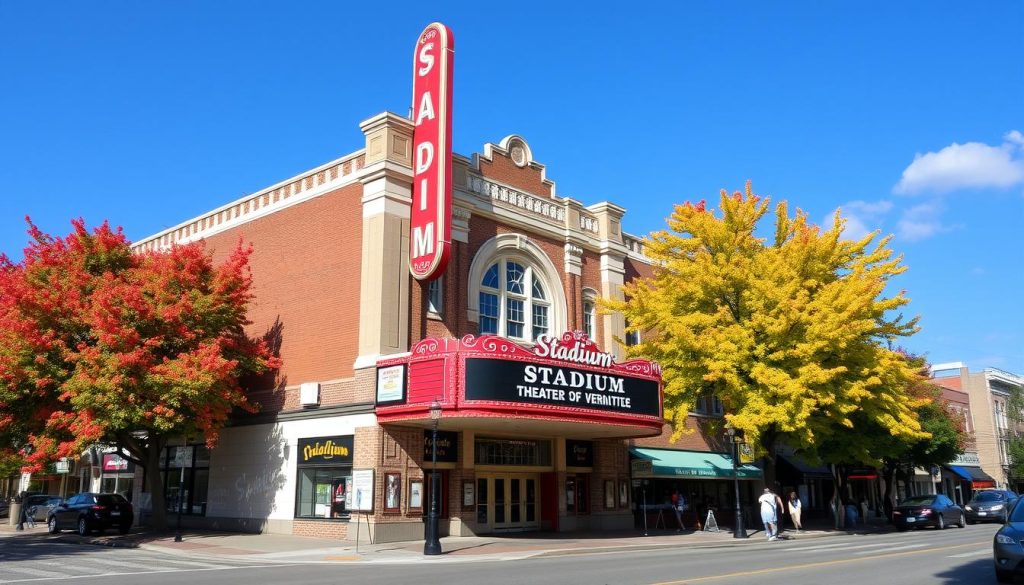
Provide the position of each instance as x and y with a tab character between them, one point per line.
792	334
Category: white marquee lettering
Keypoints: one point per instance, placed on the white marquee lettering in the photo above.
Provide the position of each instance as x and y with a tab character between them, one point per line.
424	156
426	59
423	240
426	110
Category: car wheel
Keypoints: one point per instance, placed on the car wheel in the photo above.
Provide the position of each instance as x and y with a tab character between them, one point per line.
941	523
51	525
83	527
1004	576
962	522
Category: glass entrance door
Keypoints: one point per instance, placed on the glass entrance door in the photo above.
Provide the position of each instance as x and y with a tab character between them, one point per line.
507	502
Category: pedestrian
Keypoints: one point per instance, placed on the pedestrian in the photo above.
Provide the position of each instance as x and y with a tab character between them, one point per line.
678	506
769	516
795	506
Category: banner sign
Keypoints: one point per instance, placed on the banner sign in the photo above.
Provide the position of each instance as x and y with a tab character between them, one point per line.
326	450
579	453
528	383
114	463
447	446
430	224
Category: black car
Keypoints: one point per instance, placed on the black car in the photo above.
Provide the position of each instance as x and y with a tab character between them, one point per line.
989	505
931	510
86	512
1008	546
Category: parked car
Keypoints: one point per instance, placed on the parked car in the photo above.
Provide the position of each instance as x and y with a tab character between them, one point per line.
1008	546
989	505
86	512
931	510
5	508
40	505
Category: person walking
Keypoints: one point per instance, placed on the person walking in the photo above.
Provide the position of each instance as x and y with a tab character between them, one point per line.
678	506
769	516
795	506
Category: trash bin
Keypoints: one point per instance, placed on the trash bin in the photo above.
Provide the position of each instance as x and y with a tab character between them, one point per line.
15	513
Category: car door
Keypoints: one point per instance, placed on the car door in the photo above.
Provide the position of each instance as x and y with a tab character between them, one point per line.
61	512
69	517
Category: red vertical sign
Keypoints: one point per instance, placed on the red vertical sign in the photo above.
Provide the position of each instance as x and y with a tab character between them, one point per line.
430	230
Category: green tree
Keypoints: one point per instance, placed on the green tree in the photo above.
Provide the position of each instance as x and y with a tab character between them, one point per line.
792	333
1015	448
100	344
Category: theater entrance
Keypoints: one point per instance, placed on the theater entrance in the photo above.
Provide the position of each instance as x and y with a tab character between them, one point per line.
507	502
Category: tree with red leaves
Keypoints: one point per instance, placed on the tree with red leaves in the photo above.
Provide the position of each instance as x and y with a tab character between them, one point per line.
102	344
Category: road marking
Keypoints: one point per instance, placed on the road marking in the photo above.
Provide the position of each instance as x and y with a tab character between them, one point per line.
891	549
835	546
34	572
981	551
72	577
817	564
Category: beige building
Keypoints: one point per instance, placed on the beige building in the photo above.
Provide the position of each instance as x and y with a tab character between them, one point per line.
989	391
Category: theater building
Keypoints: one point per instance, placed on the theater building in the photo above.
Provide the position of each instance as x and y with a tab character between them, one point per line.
537	406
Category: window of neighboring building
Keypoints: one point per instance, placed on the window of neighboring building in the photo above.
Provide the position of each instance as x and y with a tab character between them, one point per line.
324	486
435	297
632	337
186	474
514	301
589	314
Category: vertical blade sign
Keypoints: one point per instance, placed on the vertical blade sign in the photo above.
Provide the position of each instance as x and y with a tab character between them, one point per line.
430	226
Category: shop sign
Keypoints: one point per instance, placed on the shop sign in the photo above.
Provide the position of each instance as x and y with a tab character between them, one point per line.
114	463
642	467
967	459
430	223
322	450
447	446
362	486
537	384
579	453
63	466
391	384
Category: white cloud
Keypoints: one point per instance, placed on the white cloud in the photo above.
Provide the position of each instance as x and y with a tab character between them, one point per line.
921	221
862	217
963	166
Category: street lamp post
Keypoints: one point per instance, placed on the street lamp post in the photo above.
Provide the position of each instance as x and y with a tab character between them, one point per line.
739	531
181	488
432	541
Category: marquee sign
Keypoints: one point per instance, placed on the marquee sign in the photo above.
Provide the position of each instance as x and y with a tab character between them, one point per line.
560	378
430	225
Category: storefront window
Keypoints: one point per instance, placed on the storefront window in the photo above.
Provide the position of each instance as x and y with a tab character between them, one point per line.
577	494
324	487
513	452
186	477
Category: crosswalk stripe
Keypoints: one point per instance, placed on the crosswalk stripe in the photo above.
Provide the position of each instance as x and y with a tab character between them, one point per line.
981	551
890	549
24	569
190	563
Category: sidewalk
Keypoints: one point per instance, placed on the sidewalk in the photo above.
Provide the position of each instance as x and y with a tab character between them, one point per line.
292	549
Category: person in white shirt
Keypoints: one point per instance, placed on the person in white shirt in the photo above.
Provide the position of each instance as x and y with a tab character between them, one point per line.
769	517
795	508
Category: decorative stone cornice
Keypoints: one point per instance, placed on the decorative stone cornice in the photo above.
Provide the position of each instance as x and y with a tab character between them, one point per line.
542	208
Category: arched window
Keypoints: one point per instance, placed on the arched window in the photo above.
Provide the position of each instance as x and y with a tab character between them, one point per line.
515	290
514	301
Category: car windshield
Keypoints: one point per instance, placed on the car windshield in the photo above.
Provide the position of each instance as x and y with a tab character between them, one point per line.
109	499
989	497
918	501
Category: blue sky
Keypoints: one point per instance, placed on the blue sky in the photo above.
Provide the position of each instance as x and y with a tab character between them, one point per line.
906	114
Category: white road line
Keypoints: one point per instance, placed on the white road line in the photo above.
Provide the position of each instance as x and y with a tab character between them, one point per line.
892	549
113	564
843	546
73	577
79	567
19	568
198	564
982	551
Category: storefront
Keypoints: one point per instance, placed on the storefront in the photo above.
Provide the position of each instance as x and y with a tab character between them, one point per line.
118	476
704	479
812	483
539	427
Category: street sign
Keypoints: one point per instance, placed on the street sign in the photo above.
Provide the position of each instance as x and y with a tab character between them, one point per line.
63	466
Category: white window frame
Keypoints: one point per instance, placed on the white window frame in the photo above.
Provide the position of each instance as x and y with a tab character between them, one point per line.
504	296
590	317
521	249
435	307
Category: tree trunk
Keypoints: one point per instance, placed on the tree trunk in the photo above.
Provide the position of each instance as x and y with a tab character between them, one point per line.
889	471
155	483
838	511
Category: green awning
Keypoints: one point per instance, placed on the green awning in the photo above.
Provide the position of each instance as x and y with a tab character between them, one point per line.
669	463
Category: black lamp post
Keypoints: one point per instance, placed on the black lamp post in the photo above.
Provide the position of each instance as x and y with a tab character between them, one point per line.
432	541
181	489
739	531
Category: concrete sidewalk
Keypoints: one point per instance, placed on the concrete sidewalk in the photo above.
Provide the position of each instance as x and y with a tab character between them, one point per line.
297	549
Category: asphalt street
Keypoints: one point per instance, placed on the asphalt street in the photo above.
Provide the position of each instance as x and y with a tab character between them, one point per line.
952	556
